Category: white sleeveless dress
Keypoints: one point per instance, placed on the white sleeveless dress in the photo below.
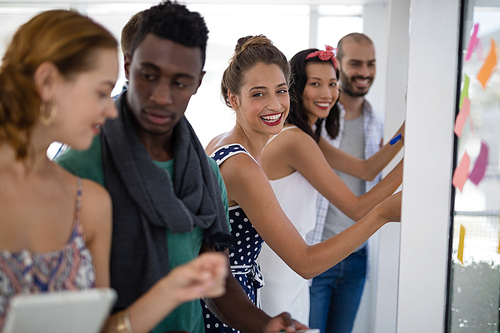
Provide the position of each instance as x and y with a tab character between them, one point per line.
284	289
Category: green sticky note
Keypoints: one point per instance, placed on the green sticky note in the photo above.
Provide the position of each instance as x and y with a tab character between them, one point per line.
465	90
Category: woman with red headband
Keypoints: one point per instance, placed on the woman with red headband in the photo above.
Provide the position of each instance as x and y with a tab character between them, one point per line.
255	85
299	163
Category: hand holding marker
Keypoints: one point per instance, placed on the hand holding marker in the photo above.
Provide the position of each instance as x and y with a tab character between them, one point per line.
395	139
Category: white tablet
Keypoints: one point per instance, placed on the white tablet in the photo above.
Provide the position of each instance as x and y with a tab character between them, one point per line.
61	312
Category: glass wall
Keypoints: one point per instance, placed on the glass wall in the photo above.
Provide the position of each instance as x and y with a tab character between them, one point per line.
475	260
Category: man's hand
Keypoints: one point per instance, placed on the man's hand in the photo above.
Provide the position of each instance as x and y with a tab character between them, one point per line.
284	322
204	276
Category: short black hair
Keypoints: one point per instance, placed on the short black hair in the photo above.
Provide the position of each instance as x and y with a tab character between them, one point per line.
173	21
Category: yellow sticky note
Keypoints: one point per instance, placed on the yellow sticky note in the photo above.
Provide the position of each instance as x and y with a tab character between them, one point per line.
491	61
499	236
499	240
460	255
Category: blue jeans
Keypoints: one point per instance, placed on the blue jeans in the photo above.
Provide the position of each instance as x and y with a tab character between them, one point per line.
336	293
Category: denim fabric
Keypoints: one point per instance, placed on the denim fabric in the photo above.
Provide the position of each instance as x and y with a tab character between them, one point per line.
336	293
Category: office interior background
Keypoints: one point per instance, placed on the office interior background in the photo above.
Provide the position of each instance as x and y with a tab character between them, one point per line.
437	271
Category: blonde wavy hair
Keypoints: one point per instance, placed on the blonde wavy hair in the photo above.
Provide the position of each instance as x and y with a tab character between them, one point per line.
66	39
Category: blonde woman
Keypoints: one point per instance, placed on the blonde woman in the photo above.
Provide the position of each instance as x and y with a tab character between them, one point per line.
56	80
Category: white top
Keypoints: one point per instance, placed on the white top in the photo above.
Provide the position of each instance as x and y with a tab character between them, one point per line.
297	198
285	290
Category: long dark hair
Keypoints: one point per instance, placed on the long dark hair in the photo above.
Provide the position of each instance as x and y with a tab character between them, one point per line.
298	114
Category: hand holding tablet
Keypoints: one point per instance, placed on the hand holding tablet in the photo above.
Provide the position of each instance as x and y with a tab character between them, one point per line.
60	312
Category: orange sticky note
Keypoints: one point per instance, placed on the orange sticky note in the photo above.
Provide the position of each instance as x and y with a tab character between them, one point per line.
484	73
461	172
462	116
461	242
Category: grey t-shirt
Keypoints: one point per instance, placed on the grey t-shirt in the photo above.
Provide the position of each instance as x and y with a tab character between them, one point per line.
353	142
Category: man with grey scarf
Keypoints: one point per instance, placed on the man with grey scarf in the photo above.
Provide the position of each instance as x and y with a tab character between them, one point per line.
166	192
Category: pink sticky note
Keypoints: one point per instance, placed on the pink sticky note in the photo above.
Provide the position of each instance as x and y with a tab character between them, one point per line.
491	61
479	168
472	42
462	116
461	172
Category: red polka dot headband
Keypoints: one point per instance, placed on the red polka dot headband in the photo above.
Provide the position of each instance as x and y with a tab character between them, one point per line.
328	54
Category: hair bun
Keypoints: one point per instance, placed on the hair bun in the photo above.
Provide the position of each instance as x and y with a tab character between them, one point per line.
250	51
251	42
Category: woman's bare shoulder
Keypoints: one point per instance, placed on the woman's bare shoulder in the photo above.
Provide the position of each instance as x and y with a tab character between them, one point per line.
291	138
219	141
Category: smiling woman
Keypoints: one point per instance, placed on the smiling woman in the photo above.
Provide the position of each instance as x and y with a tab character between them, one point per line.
255	85
299	162
321	91
269	104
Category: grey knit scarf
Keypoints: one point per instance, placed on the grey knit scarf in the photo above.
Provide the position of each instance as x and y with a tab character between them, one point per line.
147	202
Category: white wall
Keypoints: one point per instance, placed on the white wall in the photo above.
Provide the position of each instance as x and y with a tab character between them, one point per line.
397	78
387	24
407	291
428	165
376	26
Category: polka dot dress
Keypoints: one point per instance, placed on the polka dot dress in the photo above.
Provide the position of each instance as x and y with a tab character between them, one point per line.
243	254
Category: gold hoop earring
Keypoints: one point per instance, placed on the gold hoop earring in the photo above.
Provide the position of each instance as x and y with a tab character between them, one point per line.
47	120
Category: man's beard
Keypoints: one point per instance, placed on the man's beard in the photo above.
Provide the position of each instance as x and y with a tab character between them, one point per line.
347	85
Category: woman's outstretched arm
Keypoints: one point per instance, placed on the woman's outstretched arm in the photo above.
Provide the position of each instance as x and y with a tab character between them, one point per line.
248	185
364	169
294	150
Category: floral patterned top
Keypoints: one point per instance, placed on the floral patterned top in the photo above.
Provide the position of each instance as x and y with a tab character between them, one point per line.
70	268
